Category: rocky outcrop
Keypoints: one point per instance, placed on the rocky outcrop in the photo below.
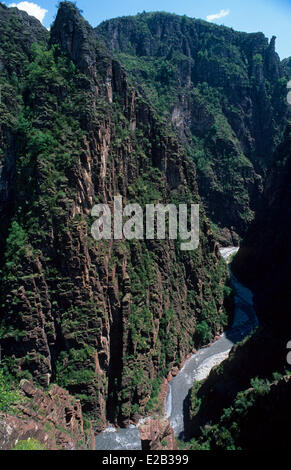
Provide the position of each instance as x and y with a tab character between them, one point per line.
157	434
27	31
53	418
286	63
224	93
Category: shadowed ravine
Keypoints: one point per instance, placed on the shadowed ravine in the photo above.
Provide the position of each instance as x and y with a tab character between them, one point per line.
196	368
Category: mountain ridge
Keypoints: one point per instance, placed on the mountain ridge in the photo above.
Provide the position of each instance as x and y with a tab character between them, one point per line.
224	93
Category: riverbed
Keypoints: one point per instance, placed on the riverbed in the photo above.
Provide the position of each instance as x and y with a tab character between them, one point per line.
197	367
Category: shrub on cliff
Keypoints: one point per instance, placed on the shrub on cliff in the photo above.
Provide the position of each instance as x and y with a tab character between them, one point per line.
8	396
29	444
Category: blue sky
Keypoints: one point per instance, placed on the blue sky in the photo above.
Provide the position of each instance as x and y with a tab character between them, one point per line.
272	17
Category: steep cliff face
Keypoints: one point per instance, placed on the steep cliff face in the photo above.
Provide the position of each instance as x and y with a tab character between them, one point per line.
15	51
224	93
270	233
246	398
105	320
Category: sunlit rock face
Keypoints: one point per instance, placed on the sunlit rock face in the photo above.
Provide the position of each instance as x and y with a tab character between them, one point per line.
224	92
105	320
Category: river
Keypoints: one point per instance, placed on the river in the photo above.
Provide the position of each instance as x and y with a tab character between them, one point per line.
197	367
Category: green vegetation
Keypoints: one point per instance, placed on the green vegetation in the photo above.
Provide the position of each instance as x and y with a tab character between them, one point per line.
9	397
234	427
194	399
195	75
107	320
29	444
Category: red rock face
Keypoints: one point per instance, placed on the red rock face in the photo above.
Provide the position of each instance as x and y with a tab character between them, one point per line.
103	320
54	419
157	434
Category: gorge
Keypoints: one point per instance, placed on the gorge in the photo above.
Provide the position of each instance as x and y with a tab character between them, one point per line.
196	368
154	109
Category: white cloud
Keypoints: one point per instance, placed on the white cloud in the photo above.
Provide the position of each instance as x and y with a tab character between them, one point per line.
31	8
216	16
